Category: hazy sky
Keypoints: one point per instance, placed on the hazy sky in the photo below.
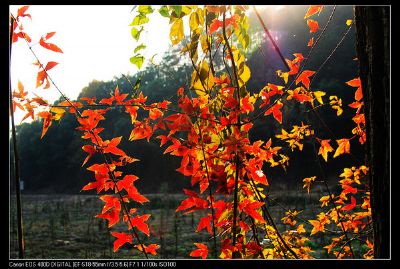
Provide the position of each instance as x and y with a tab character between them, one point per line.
96	41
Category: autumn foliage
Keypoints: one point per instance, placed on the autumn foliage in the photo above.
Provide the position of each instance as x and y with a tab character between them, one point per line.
209	134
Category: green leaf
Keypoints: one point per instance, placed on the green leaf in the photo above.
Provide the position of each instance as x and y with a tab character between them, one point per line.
136	33
176	34
178	10
140	47
145	10
137	85
139	20
164	11
137	60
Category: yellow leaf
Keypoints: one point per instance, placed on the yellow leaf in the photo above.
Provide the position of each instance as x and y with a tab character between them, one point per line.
283	75
318	95
349	22
59	112
318	227
300	229
244	75
194	21
176	34
344	147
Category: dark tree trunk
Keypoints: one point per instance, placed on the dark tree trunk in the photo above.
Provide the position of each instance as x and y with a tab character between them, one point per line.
373	49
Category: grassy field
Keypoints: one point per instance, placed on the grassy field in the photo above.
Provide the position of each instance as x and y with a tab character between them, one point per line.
64	226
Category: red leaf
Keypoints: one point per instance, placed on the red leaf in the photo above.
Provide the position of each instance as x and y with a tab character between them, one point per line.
21	12
314	9
351	205
313	25
202	251
205	222
304	78
90	150
119	97
139	223
151	249
122	238
275	110
349	189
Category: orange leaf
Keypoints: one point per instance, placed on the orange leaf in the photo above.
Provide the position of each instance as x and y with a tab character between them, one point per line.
304	78
313	9
344	147
317	226
21	12
325	149
49	46
310	42
47	117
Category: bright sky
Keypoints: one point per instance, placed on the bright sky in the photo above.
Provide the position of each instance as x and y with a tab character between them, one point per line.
96	41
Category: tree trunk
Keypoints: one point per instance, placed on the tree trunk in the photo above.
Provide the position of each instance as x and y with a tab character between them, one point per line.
373	49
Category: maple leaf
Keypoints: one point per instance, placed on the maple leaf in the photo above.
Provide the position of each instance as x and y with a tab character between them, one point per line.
250	209
119	97
21	12
122	238
307	183
259	176
351	205
317	226
155	113
151	249
325	200
313	9
47	117
318	95
134	194
349	189
90	150
313	25
111	146
294	67
304	78
275	110
310	42
301	97
357	84
139	222
344	147
202	251
205	222
112	217
49	46
325	148
142	130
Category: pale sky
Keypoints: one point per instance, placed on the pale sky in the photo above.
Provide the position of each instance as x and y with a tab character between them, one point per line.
96	41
